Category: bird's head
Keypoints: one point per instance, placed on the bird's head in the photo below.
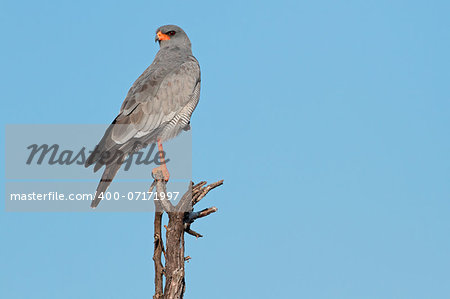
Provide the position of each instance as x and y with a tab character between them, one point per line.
169	35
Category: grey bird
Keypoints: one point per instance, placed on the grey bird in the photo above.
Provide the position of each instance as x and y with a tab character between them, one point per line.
158	107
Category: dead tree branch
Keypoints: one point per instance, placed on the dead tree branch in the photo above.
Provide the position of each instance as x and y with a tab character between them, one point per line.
158	249
181	217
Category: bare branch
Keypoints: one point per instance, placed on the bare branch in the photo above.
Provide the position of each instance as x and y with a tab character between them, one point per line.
192	232
200	193
203	213
206	212
158	249
198	186
180	219
161	189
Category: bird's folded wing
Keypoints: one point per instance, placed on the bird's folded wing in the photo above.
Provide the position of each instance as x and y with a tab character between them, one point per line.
149	104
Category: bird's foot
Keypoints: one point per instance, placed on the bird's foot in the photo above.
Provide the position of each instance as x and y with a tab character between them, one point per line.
164	171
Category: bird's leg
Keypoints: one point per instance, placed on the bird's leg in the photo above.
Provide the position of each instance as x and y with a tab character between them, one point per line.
162	167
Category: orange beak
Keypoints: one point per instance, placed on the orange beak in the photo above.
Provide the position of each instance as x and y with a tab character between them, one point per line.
161	36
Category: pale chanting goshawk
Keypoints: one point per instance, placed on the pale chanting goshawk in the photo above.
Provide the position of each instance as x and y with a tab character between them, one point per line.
158	107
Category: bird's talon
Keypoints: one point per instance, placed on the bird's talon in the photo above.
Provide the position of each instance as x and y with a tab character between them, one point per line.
164	170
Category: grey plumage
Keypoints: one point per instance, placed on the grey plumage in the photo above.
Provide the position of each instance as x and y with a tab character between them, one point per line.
158	105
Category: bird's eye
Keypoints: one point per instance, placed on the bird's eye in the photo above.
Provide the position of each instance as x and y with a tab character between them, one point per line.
171	33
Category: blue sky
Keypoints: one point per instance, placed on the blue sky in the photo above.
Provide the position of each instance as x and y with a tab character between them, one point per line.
329	122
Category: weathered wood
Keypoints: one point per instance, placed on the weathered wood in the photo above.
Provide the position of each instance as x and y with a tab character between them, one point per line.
181	217
158	250
175	283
